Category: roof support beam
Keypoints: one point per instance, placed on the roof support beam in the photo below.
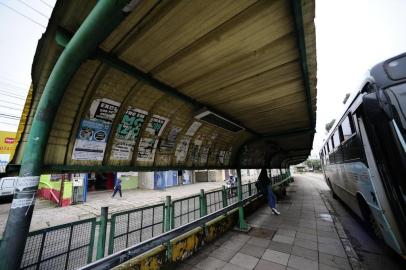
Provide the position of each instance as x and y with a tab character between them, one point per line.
301	43
102	20
63	36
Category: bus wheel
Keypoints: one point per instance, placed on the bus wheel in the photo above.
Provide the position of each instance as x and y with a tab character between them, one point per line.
374	226
369	219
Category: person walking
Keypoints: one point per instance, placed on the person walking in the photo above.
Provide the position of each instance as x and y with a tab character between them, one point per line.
265	187
117	187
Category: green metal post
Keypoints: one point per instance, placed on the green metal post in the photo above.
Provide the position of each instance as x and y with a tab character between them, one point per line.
224	193
101	21
101	241
249	189
203	203
243	226
168	214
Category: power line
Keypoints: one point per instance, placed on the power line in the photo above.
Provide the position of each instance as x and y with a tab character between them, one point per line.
8	95
36	10
11	108
25	16
9	116
46	4
11	103
9	124
11	93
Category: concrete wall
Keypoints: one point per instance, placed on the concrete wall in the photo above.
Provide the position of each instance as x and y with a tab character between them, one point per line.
214	176
146	180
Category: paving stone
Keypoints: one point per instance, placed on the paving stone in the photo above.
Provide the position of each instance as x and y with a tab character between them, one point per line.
327	234
305	243
301	263
253	250
289	233
224	254
326	228
332	249
305	253
283	239
328	240
230	266
334	261
267	265
240	237
244	260
210	263
197	258
234	245
259	241
282	247
307	230
306	236
262	233
327	267
276	256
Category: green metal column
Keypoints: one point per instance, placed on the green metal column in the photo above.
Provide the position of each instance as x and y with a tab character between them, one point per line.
102	20
243	226
249	189
224	193
203	203
168	214
101	241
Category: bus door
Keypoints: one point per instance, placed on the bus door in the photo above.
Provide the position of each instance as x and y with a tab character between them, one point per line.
383	111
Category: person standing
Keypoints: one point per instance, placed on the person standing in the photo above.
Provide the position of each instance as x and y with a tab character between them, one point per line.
265	187
117	187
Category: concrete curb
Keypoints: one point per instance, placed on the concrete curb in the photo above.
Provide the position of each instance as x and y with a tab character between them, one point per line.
353	258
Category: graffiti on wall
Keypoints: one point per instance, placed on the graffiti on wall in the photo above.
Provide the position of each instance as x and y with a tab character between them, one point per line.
146	149
127	133
168	143
156	125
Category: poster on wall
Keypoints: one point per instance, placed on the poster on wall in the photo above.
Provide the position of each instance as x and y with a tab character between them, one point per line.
127	133
204	154
91	140
104	109
193	128
168	143
130	125
122	150
181	149
222	155
146	149
156	125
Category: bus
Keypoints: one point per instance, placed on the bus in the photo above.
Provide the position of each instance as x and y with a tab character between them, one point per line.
364	156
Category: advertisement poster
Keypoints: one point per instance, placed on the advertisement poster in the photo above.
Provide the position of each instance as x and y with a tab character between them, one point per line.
168	143
193	128
104	109
156	125
91	140
204	154
181	149
7	147
130	125
127	133
146	149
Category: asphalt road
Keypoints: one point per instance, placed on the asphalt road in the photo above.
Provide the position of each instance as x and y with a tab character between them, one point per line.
372	253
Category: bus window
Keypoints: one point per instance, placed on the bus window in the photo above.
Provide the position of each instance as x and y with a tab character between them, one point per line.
346	128
336	139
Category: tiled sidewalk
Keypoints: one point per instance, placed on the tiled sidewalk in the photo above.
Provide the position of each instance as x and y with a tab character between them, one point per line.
303	237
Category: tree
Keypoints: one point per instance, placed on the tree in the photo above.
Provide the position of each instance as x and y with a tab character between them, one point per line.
346	98
330	125
315	164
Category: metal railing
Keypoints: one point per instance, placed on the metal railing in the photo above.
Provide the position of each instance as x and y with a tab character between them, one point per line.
67	246
73	245
135	226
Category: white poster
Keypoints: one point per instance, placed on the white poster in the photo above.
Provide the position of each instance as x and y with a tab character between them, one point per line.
122	150
181	149
168	143
156	125
146	149
193	128
88	150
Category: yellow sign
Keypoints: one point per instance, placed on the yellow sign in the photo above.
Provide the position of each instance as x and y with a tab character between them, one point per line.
7	147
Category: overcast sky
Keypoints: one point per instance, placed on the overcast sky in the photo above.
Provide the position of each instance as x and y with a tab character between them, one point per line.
352	35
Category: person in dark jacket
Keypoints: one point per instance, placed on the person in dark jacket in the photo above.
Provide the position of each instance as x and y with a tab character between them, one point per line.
265	187
117	187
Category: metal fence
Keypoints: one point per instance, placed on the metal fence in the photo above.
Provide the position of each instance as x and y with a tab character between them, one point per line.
72	245
67	246
185	210
134	226
214	201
